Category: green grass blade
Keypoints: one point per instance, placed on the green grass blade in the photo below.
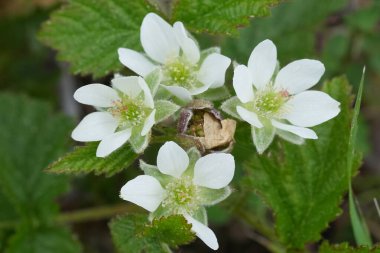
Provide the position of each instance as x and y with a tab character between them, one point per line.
360	229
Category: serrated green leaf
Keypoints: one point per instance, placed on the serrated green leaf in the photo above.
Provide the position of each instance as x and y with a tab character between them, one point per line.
172	230
43	240
82	160
304	185
346	248
361	233
164	109
127	234
214	16
31	136
88	33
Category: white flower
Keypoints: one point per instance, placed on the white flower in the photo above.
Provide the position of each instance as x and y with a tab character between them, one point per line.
183	183
279	103
126	112
186	71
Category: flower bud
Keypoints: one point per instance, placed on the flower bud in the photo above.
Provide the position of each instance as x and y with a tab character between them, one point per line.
201	124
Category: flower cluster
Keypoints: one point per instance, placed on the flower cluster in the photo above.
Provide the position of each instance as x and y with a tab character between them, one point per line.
273	101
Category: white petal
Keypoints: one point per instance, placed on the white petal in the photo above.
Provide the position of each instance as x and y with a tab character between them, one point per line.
149	122
96	95
158	38
94	127
214	171
203	232
179	92
300	131
112	142
148	98
262	63
129	85
144	191
135	61
249	116
172	159
188	45
213	69
299	75
242	83
311	108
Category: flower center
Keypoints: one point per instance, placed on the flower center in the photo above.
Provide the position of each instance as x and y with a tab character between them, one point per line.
181	73
269	102
130	112
181	196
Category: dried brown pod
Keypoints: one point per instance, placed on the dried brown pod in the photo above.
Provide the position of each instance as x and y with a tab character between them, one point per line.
203	125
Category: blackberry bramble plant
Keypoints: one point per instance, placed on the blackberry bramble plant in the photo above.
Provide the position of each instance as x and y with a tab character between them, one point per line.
174	112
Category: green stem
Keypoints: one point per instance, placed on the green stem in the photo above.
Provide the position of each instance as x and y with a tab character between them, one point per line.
85	215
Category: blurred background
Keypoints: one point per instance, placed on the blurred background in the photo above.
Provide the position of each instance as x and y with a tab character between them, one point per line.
343	34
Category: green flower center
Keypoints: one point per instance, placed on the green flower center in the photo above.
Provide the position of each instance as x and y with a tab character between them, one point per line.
130	112
269	102
181	73
181	196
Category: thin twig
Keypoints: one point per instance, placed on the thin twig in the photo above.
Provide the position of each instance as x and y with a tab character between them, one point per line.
84	215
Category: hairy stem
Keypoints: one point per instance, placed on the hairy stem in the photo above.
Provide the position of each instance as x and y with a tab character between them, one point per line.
84	215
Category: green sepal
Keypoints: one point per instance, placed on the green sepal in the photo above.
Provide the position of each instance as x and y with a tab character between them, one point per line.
263	137
206	52
210	197
219	93
172	230
201	215
162	94
139	143
152	170
290	137
229	107
153	80
194	155
159	212
164	109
